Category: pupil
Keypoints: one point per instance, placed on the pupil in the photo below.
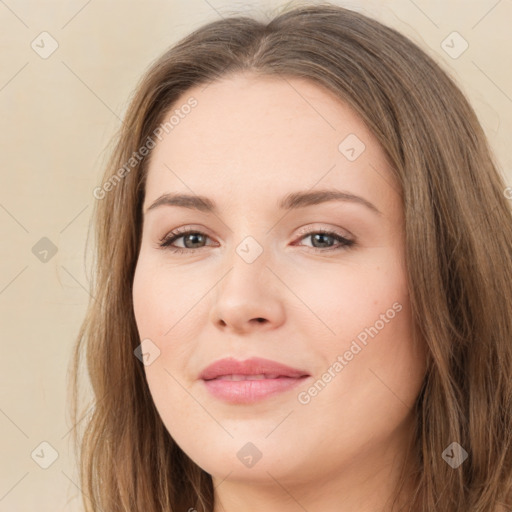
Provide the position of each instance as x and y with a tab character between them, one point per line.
190	237
321	235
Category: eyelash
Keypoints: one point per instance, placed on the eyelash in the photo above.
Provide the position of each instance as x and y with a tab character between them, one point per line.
167	240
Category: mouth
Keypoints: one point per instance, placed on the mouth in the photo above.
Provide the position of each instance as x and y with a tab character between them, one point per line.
261	376
249	381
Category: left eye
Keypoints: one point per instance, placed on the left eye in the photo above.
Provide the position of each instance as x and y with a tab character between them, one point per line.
321	237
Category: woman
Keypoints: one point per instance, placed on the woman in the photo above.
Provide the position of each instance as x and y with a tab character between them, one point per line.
302	287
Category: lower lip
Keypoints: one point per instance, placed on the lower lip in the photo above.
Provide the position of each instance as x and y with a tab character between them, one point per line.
249	391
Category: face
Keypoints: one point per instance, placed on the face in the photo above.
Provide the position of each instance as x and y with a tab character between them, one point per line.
256	271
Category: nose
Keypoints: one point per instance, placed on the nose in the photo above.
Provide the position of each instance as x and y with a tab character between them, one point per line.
248	297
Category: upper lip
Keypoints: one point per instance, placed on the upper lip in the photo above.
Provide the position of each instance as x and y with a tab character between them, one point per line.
252	366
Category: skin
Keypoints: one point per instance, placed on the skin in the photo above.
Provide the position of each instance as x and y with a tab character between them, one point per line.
250	141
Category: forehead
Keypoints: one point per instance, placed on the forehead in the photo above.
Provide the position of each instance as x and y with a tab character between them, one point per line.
251	134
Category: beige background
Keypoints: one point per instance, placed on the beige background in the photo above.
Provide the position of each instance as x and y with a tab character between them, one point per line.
58	115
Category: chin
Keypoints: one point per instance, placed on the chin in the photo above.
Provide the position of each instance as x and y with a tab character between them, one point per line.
259	461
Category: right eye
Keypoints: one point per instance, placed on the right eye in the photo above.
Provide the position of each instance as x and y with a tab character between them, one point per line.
187	234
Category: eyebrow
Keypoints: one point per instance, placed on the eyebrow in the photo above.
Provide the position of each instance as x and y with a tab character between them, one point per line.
292	201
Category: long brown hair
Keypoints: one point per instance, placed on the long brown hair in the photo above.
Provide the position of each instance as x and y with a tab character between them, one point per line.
458	249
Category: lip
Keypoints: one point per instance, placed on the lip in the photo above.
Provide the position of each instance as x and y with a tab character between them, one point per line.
251	380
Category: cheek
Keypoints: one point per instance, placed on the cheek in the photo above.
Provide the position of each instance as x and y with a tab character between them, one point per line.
158	308
168	311
366	319
348	298
143	295
161	296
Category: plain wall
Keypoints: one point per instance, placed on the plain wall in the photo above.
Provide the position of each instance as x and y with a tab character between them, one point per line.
58	115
